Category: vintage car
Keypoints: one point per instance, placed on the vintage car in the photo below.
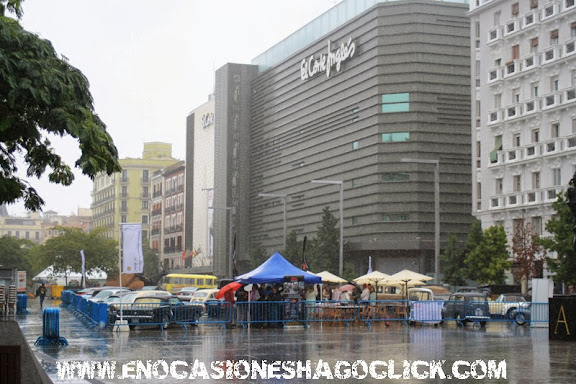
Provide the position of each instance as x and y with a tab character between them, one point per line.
505	304
186	293
467	306
162	310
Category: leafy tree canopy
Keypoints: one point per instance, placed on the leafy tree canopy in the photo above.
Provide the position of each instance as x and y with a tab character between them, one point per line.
14	253
560	227
453	260
487	262
41	94
63	252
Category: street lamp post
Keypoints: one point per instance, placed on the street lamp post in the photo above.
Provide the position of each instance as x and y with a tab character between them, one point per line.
283	197
436	164
341	256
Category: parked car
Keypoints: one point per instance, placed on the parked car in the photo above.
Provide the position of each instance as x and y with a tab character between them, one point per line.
103	294
467	306
203	295
521	315
505	304
186	293
154	310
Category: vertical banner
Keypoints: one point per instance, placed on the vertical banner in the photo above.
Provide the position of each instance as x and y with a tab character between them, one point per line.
83	282
133	259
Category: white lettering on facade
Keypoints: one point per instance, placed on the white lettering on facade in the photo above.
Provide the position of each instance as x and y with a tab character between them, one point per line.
207	119
311	66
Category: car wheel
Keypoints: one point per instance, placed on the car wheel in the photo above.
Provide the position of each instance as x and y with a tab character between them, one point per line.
131	326
520	318
482	323
509	313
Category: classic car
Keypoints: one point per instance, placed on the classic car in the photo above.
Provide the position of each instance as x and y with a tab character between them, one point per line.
467	306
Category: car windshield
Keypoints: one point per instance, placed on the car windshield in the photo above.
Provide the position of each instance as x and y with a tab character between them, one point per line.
200	294
103	294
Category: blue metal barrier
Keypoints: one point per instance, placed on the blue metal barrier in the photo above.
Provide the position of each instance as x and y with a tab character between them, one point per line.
327	311
22	304
51	328
266	313
383	310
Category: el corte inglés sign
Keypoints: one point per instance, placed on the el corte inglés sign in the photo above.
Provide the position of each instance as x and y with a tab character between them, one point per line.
312	66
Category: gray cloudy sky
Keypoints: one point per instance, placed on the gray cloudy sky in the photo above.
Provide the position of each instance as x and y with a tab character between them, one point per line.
150	63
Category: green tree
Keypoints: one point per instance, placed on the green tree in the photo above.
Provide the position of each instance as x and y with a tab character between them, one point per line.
475	235
42	94
324	250
560	228
487	262
257	256
293	251
63	252
152	272
454	265
15	253
527	254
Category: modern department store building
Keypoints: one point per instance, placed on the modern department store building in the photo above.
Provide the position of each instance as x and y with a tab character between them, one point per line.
346	98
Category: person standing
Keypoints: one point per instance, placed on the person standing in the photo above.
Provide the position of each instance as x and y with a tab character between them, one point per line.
41	293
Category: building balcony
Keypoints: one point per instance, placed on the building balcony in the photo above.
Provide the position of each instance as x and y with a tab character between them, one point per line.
550	10
494	75
552	54
530	19
511	27
494	34
551	100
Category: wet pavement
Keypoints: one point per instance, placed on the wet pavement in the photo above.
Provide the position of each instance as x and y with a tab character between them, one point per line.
528	354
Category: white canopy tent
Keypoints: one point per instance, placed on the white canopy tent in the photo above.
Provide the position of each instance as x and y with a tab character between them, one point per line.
60	278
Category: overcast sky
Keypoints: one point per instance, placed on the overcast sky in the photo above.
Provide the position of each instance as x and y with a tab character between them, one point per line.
150	63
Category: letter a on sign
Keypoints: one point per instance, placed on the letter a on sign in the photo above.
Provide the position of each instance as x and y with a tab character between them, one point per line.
564	321
132	248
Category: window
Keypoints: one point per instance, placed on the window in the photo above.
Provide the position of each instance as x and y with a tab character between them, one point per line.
145	175
144	204
517	183
536	223
533	45
498	100
395	217
391	177
478	190
554	37
354	183
395	137
556	176
554	83
533	4
573	29
123	218
145	192
124	176
515	52
354	221
497	147
395	102
535	180
499	186
355	145
144	219
535	90
516	95
535	136
124	191
124	205
555	130
515	9
516	140
497	18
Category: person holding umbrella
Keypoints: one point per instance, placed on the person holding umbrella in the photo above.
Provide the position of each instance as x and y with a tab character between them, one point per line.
41	293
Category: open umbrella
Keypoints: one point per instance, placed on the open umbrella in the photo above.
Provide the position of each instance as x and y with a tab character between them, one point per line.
372	277
234	286
328	277
347	287
408	275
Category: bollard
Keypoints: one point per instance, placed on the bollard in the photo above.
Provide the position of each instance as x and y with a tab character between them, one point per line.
51	328
22	304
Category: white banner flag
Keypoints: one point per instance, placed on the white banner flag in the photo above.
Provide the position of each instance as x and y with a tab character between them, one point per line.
83	262
133	259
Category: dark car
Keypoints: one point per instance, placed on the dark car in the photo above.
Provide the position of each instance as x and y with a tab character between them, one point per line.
521	315
154	310
467	306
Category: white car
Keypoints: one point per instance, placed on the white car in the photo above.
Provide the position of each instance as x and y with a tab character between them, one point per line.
506	304
186	293
103	294
204	295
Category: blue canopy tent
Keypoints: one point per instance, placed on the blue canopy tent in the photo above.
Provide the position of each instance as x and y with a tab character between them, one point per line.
273	271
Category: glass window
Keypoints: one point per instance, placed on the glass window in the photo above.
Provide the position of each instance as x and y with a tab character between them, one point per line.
400	176
395	137
395	102
556	176
355	145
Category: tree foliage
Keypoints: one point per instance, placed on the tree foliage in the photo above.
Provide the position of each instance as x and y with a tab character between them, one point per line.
560	226
324	250
41	94
293	251
487	262
14	252
453	260
152	272
63	252
527	252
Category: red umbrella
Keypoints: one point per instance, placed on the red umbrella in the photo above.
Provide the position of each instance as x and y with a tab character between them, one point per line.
347	287
233	286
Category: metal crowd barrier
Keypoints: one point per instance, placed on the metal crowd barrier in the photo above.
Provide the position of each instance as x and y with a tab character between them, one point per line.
271	313
153	314
333	312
